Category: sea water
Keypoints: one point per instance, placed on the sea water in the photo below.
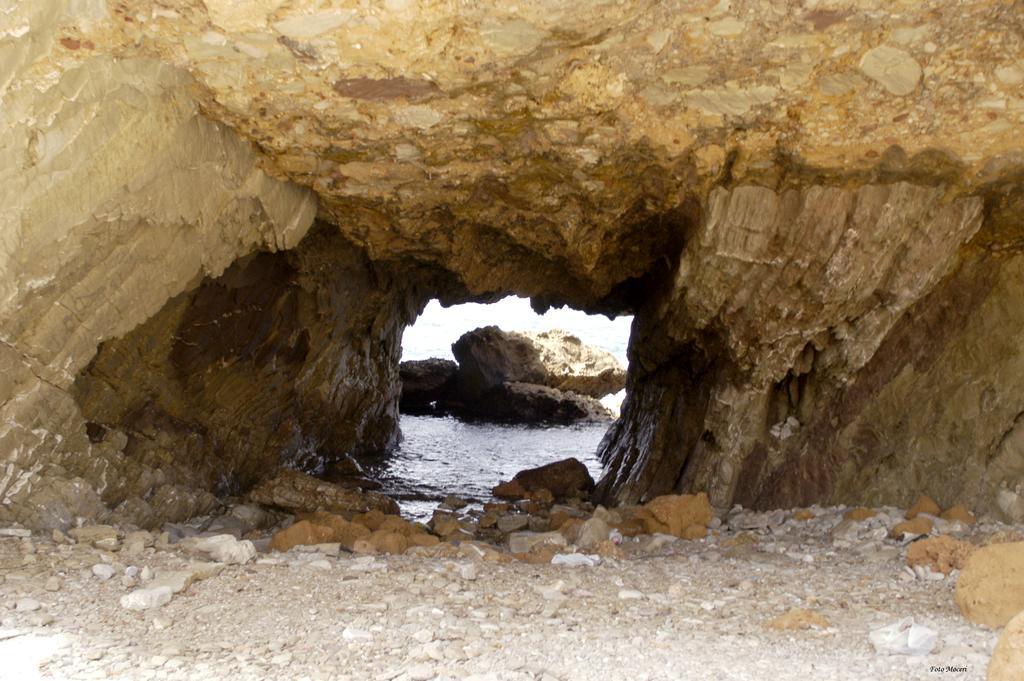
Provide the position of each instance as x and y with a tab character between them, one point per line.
442	455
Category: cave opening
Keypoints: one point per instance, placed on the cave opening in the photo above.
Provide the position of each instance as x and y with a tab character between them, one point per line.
448	449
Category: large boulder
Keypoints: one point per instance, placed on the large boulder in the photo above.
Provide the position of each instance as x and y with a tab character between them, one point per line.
489	357
297	492
990	589
570	364
1008	658
425	384
565	478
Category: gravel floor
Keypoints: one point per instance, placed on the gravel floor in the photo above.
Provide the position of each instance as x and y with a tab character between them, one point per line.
683	610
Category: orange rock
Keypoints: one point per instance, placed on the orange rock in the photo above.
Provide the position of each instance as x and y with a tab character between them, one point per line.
990	588
959	512
674	513
371	520
924	504
542	497
694	532
797	619
609	549
541	554
941	554
1007	662
803	514
389	542
570	529
342	531
510	490
394	523
423	539
742	539
363	547
630	527
301	533
860	513
919	525
499	507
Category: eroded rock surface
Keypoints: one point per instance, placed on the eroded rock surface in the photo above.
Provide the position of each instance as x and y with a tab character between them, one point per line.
813	213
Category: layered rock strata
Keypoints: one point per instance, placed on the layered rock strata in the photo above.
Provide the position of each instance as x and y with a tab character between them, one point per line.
813	212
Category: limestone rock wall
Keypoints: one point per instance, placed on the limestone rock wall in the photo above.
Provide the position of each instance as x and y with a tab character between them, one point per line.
788	196
286	359
832	344
115	195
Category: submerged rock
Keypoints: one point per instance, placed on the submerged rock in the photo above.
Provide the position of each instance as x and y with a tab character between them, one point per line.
294	491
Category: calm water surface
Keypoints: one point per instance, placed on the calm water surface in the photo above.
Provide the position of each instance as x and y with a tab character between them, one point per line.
442	456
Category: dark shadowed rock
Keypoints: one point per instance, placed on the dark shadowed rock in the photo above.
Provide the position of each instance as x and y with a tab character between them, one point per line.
529	403
565	478
425	383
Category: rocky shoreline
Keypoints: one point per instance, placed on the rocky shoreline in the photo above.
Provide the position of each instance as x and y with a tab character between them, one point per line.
540	586
514	377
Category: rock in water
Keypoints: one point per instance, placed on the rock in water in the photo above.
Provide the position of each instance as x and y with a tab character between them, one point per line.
531	403
425	382
990	589
565	478
1008	658
570	364
295	491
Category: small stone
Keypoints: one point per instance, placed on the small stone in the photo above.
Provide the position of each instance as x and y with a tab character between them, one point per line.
924	504
53	584
103	571
27	605
959	513
859	514
146	573
223	548
420	672
512	523
15	532
630	595
91	534
918	526
797	619
453	501
523	542
803	515
468	571
941	554
161	622
592	533
677	514
893	69
145	599
321	564
40	619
